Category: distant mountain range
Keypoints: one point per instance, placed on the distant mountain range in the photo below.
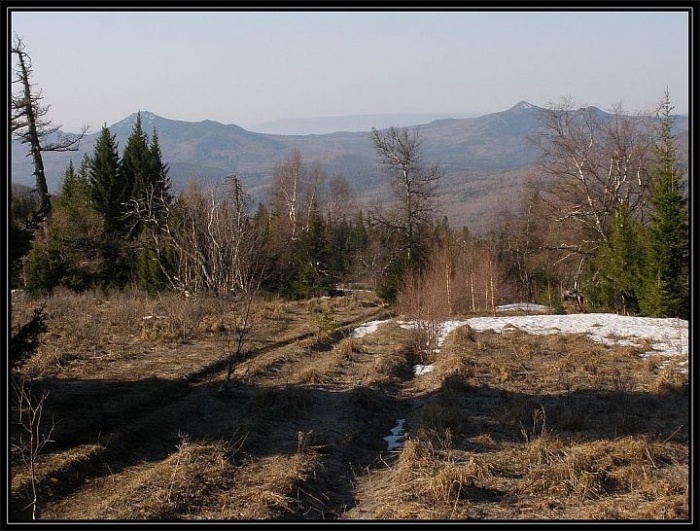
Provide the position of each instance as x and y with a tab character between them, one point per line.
352	123
485	158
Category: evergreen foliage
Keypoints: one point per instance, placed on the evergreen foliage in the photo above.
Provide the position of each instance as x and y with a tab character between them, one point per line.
149	275
75	194
136	163
391	282
618	266
666	286
159	183
117	222
107	190
66	250
311	257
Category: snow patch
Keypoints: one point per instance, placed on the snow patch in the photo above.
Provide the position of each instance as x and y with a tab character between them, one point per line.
422	369
659	336
396	439
524	306
368	328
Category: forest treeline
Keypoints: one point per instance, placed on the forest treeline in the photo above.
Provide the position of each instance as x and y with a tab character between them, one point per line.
604	221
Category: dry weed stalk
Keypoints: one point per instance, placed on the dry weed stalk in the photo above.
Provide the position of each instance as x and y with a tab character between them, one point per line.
304	441
346	348
30	441
183	440
539	426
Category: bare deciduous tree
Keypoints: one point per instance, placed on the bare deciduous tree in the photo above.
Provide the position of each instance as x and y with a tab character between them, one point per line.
412	182
205	241
598	162
296	188
341	200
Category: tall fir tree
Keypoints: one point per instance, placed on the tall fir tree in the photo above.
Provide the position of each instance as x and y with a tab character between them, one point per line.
75	193
666	286
136	165
158	178
107	191
156	192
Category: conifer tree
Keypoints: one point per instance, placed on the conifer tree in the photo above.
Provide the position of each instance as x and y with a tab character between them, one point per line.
619	265
145	177
136	165
311	256
75	193
69	184
158	178
108	193
666	286
66	249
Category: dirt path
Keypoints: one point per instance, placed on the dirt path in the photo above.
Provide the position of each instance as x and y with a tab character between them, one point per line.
123	429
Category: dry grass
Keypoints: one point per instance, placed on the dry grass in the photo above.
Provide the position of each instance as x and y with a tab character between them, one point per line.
505	427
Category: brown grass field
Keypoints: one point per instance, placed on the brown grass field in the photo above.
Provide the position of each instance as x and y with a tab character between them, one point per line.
505	428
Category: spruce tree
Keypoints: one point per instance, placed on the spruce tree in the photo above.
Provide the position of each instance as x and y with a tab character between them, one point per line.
311	257
144	175
136	166
75	193
69	185
107	191
158	178
666	286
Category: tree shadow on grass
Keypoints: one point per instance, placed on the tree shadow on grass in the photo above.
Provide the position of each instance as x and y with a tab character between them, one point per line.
130	423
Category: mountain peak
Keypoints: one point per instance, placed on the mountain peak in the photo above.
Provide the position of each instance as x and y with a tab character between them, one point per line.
146	117
521	106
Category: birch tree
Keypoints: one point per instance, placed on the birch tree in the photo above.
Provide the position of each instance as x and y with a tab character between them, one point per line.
597	163
413	185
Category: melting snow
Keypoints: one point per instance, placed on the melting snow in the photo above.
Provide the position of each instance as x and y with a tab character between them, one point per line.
664	336
395	440
421	369
525	306
668	337
368	328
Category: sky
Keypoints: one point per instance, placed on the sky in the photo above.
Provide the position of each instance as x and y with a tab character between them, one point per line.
249	67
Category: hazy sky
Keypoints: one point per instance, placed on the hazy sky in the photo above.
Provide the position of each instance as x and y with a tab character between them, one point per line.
247	67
